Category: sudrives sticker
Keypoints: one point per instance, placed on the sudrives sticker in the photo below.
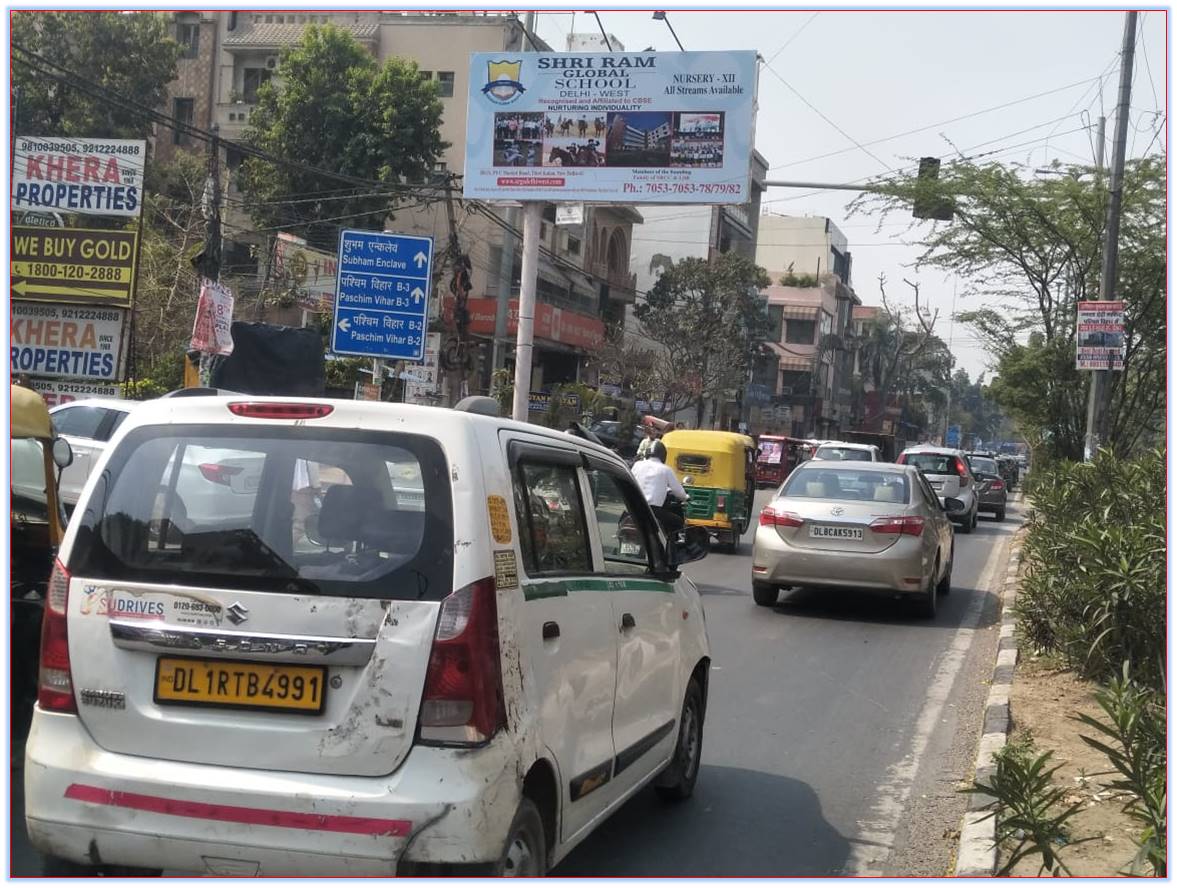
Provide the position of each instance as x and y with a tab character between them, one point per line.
500	519
506	570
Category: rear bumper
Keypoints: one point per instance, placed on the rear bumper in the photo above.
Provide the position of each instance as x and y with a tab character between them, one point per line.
775	561
441	806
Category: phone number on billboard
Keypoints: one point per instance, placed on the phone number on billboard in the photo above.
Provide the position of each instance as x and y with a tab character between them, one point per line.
684	188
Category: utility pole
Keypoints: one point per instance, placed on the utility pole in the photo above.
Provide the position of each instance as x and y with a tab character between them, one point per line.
1111	247
507	263
459	263
208	261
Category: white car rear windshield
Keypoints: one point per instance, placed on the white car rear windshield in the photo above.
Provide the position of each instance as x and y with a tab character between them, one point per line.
843	453
847	485
932	463
312	511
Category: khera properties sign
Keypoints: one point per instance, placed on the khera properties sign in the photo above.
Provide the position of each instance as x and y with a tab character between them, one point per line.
73	264
100	177
70	341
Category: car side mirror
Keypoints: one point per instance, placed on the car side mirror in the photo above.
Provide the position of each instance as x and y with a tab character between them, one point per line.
687	545
63	454
951	504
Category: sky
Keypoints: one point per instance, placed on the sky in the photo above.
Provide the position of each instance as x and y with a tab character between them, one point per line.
841	77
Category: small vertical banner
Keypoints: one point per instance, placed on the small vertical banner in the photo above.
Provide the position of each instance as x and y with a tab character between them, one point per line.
214	318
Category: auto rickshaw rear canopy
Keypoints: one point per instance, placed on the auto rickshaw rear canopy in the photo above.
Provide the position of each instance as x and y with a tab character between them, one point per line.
30	416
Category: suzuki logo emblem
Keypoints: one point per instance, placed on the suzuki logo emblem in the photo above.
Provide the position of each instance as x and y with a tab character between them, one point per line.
237	613
837	510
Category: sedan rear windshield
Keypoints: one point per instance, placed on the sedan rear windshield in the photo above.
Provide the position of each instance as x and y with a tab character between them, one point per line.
983	464
847	485
292	509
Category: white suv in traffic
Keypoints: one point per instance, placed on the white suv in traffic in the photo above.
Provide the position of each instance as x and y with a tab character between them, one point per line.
843	451
433	642
947	470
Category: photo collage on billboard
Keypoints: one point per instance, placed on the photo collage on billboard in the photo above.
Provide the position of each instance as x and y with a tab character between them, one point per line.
518	139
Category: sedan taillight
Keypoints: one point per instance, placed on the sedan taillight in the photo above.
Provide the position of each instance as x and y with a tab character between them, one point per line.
910	525
770	517
998	484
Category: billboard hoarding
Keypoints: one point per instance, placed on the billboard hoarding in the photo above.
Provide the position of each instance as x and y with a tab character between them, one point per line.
422	381
382	295
57	392
1099	336
605	127
309	273
97	177
73	265
66	341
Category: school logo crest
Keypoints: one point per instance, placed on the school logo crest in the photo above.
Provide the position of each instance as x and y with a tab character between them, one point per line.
502	82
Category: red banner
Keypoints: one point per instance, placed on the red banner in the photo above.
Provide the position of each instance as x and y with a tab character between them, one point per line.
554	324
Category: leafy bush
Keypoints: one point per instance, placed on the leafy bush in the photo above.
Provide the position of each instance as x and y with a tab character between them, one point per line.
1134	742
1094	590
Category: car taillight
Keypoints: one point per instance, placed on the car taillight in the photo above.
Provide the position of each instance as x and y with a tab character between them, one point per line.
770	517
911	525
55	687
721	503
961	470
463	698
217	473
902	459
269	410
998	484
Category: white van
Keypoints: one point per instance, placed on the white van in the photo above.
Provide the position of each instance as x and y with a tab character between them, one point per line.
422	647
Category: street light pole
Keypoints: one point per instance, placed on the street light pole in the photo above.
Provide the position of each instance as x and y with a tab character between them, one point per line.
1111	247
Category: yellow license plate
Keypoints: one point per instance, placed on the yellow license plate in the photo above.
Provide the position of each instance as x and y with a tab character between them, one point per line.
240	685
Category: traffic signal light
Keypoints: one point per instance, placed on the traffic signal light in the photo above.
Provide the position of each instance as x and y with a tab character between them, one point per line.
930	202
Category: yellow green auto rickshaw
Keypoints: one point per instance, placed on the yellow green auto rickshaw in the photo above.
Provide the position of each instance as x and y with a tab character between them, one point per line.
718	470
36	522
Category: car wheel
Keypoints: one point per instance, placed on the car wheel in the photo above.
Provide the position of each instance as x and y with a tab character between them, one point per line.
525	854
1000	515
945	584
967	527
976	517
927	601
764	594
677	782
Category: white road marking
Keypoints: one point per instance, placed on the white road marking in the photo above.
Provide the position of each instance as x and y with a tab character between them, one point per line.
876	836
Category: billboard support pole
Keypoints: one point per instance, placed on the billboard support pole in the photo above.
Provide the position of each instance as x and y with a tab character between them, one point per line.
532	218
1107	279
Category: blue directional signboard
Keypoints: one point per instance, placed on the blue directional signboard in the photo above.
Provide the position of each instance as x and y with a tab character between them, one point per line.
382	297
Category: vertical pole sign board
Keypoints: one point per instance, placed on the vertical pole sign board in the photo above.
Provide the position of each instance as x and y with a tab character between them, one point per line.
1099	334
382	295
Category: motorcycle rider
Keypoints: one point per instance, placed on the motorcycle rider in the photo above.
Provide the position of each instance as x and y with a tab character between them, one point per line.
659	486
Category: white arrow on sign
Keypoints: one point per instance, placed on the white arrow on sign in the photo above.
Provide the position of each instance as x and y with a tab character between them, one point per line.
345	325
420	259
418	294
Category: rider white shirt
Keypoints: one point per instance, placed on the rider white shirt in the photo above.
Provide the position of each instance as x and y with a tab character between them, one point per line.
656	479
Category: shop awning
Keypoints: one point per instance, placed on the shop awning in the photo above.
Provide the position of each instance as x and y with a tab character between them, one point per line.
789	360
792	311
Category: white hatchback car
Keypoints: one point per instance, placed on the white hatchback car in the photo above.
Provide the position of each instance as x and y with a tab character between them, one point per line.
947	470
88	425
436	642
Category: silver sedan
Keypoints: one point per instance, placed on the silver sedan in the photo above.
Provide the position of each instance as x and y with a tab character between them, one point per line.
860	525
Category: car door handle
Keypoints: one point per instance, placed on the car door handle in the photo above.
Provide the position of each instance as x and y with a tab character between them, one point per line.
551	630
627	622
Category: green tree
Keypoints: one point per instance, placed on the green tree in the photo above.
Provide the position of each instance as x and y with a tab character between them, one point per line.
131	54
1030	248
333	107
710	323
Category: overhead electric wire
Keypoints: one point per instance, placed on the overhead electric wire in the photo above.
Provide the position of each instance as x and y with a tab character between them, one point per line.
796	34
819	113
932	126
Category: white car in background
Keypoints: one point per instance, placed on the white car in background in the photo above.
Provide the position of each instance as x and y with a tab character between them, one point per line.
88	425
947	470
845	451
